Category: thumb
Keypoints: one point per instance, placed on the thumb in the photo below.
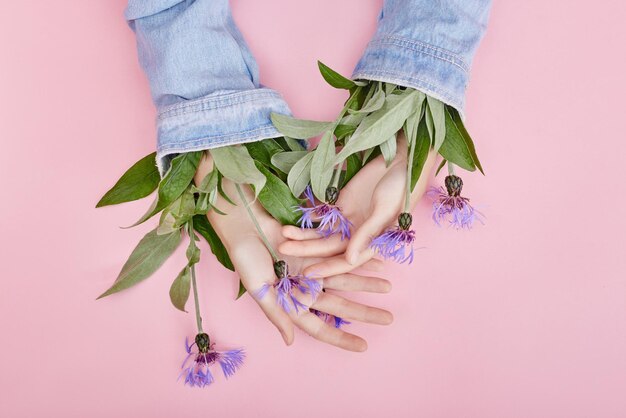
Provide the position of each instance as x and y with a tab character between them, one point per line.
361	238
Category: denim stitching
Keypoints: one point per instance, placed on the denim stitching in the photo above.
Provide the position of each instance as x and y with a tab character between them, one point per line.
422	48
401	76
219	139
201	105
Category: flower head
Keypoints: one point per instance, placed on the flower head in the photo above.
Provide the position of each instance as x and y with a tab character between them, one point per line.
197	372
286	284
396	243
330	220
449	205
326	317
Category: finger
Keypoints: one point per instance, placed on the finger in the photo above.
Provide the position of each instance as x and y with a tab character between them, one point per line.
374	265
338	264
344	308
277	316
356	283
362	237
321	247
299	234
323	332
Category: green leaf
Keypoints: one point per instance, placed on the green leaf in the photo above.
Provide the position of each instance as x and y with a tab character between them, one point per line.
388	149
380	125
294	145
344	130
335	79
353	165
373	104
412	122
242	290
322	166
300	175
137	182
208	183
456	118
437	110
285	161
146	258
298	128
389	88
442	165
174	183
454	148
179	291
430	124
221	190
203	227
422	147
277	199
263	151
235	163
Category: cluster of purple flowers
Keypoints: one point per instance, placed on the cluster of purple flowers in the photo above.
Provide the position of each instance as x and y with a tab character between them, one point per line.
328	216
450	206
286	284
197	371
396	243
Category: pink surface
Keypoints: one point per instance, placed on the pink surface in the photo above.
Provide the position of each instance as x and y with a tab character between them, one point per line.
525	317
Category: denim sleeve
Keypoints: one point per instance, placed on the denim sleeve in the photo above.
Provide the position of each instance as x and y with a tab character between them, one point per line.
203	79
427	45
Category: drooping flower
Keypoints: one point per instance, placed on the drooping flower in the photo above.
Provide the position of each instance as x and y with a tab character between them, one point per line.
328	216
450	206
396	243
337	322
286	284
197	371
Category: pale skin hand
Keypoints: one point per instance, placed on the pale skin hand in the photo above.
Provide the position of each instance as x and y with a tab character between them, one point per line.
254	264
372	201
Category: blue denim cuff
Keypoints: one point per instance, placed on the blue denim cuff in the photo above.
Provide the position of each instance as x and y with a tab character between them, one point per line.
220	119
406	62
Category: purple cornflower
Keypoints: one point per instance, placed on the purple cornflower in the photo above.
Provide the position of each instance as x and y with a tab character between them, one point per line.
328	215
395	242
197	372
285	284
335	320
448	204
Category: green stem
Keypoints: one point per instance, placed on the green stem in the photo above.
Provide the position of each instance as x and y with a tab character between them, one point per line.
256	224
338	167
409	172
194	285
450	168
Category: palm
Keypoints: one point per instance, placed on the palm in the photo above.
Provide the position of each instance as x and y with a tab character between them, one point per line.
372	201
254	264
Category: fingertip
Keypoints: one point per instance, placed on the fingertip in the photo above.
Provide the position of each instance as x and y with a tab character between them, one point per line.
290	231
387	318
361	346
386	286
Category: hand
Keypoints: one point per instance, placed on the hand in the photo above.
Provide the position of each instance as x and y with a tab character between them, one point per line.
255	267
372	201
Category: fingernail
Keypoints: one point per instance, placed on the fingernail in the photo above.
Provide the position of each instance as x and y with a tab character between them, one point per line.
353	258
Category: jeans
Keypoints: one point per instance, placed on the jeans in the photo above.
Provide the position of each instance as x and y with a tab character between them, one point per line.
205	82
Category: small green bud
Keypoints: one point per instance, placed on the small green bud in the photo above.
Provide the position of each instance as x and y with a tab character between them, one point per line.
405	220
454	185
280	269
203	342
332	194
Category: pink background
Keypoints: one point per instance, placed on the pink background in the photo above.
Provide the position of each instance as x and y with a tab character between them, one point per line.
525	317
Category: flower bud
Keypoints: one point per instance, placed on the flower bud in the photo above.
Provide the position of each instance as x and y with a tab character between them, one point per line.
454	185
405	220
203	342
280	269
332	194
